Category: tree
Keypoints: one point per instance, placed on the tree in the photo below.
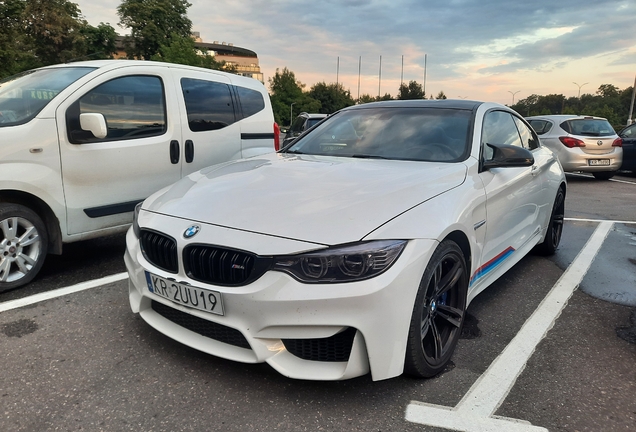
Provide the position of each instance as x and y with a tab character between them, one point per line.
153	23
99	42
182	50
384	98
285	90
332	97
15	49
365	98
54	30
411	91
441	95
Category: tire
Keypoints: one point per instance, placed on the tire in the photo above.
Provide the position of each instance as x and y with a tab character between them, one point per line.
438	313
604	175
23	245
555	226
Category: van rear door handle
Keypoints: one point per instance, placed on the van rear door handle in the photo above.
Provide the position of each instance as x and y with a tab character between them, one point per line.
189	151
174	152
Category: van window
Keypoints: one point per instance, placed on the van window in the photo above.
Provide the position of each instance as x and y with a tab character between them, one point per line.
133	106
251	101
24	95
209	104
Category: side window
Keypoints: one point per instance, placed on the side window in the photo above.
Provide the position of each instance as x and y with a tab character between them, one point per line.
540	126
133	106
498	128
208	104
528	138
630	132
251	101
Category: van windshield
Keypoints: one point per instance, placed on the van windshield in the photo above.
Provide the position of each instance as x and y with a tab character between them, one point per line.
24	95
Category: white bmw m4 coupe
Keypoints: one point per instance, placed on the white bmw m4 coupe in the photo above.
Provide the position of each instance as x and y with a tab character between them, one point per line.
357	248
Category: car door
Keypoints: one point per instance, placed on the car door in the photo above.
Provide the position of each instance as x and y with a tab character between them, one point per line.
629	148
103	178
209	119
513	194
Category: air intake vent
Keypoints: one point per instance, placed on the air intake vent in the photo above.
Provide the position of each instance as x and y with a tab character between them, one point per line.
160	250
336	348
203	327
220	266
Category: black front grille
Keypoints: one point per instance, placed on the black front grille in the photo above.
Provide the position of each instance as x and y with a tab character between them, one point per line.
336	348
160	250
220	266
203	327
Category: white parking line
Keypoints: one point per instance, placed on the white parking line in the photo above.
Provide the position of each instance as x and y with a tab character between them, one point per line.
612	179
599	220
474	413
14	304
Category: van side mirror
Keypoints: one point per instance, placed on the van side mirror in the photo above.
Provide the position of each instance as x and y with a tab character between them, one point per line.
508	156
94	123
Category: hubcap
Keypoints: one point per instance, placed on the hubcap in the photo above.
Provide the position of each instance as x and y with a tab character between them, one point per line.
19	248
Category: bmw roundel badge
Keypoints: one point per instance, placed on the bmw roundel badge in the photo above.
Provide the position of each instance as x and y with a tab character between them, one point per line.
191	231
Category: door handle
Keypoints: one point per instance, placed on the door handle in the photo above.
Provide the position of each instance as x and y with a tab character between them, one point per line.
174	152
534	170
189	151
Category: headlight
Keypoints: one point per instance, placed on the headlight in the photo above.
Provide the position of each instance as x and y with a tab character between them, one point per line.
343	263
135	219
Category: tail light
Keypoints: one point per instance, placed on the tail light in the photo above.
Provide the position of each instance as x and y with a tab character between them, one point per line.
276	137
571	142
618	142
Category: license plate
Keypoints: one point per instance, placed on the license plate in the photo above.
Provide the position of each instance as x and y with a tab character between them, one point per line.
598	162
186	295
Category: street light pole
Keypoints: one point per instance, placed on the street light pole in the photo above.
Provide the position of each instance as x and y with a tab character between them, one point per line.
513	95
579	86
291	113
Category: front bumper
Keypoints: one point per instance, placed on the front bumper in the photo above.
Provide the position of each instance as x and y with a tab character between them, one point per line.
277	312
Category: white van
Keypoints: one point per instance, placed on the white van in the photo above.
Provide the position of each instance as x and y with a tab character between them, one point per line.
82	143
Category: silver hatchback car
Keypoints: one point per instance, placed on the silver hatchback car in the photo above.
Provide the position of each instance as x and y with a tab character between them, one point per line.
582	143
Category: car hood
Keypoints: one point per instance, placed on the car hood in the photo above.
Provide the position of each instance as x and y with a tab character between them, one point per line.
324	200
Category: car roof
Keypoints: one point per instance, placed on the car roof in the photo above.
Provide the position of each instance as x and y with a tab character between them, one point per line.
422	103
562	117
312	115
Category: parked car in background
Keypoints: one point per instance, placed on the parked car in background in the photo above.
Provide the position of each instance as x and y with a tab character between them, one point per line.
303	122
83	143
397	214
628	135
582	143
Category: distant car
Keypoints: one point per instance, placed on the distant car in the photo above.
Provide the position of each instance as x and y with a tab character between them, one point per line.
582	143
397	214
303	122
628	135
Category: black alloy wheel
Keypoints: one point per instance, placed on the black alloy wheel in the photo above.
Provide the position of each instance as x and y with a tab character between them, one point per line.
438	314
555	226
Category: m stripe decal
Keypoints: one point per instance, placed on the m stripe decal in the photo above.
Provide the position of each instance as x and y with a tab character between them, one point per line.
491	265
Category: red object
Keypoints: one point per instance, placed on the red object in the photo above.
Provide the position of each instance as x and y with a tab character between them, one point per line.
571	142
618	142
276	137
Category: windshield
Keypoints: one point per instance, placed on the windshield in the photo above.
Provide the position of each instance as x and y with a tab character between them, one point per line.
588	127
390	132
23	96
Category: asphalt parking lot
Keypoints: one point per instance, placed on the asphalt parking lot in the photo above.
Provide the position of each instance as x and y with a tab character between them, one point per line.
536	352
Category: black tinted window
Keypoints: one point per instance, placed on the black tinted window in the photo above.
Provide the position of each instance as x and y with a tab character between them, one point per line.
208	104
133	106
588	127
251	101
421	134
499	128
540	126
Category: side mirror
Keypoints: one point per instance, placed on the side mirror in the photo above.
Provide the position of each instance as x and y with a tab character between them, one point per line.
94	123
505	156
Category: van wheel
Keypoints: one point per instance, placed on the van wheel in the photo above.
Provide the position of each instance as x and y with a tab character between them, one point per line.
23	241
604	175
438	314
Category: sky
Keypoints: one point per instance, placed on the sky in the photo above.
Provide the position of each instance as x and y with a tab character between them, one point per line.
488	50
